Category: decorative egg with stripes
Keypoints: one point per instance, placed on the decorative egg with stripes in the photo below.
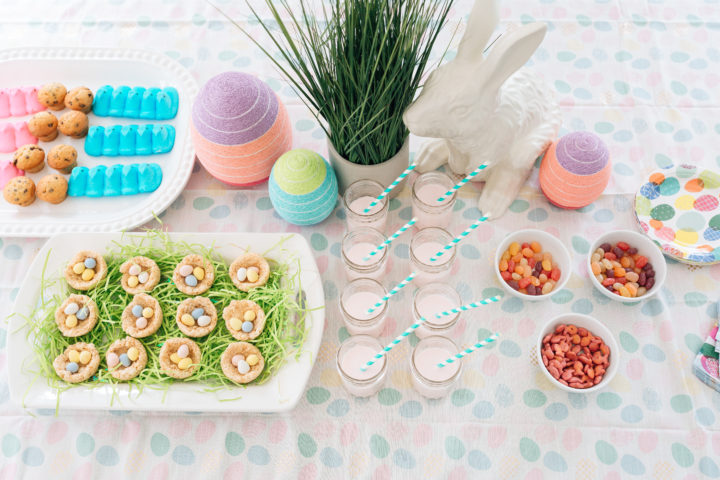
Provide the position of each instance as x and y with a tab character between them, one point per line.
239	128
303	187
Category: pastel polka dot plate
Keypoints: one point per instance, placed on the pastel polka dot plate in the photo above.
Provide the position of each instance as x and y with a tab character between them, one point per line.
679	209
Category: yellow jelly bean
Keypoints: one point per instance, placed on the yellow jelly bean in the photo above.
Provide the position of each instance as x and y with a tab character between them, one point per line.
184	363
133	281
249	315
235	323
88	274
74	356
174	358
79	268
199	273
147	312
514	248
85	357
71	321
252	276
187	319
133	353
252	359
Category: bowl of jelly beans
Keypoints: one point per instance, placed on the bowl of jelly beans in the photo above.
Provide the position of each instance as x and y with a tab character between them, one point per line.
532	264
626	266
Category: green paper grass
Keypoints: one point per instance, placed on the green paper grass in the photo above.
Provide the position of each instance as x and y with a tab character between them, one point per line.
283	334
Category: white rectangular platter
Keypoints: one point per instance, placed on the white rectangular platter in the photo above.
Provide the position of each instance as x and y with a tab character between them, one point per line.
93	68
280	393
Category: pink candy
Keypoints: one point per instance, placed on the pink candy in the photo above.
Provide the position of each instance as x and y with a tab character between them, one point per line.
18	102
112	359
8	171
14	136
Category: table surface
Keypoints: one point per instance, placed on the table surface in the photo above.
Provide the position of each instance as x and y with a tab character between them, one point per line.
642	74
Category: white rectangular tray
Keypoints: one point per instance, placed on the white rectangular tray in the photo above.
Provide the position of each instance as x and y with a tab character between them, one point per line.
93	68
280	393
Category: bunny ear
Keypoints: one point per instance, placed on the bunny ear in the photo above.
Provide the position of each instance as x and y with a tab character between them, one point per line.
484	17
510	52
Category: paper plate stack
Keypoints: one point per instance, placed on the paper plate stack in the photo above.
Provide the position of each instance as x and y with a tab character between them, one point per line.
239	128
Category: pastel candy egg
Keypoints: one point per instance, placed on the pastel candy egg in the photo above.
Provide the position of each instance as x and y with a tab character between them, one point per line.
198	273
183	351
134	270
191	281
71	308
235	323
247	327
90	262
141	322
133	281
303	187
79	268
133	353
249	315
147	312
83	313
74	356
575	170
252	275
197	313
187	319
252	360
72	367
112	359
242	274
137	310
71	321
243	366
204	321
88	274
175	358
184	363
237	359
85	357
143	277
185	270
125	360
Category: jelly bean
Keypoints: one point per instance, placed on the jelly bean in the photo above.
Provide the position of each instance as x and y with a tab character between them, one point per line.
252	360
547	288
241	274
619	272
85	357
83	313
524	282
141	322
235	323
595	267
632	276
134	270
185	270
112	359
547	265
184	363
133	354
249	315
506	275
143	277
74	356
252	275
197	313
137	310
183	351
555	275
199	273
90	262
148	312
79	268
527	252
133	281
88	274
247	327
204	320
641	261
191	281
503	265
514	248
71	308
187	319
237	359
71	321
72	367
243	367
174	358
125	360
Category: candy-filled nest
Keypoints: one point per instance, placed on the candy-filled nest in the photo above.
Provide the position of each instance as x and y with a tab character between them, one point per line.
282	336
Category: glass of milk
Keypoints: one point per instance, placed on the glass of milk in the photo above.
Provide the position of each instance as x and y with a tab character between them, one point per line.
428	379
355	352
355	300
431	299
424	244
357	198
355	247
426	190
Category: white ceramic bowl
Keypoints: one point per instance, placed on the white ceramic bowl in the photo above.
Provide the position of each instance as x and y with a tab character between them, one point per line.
549	243
645	246
596	328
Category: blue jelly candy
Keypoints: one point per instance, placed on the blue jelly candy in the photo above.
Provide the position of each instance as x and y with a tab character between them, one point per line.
128	135
78	182
143	144
117	101
133	102
163	138
130	179
113	181
101	103
149	177
94	141
111	141
147	107
166	104
129	140
96	181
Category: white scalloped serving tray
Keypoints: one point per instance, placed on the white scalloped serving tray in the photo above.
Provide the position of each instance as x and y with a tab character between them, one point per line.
93	68
280	393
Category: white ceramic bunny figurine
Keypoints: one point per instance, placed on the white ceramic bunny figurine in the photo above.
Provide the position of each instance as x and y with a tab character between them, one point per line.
487	110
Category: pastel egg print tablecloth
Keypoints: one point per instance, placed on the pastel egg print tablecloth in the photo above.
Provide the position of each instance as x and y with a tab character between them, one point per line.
642	74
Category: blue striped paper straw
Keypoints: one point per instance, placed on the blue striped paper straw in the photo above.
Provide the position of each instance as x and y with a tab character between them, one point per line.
390	187
463	182
469	306
392	292
469	350
457	239
415	325
390	240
